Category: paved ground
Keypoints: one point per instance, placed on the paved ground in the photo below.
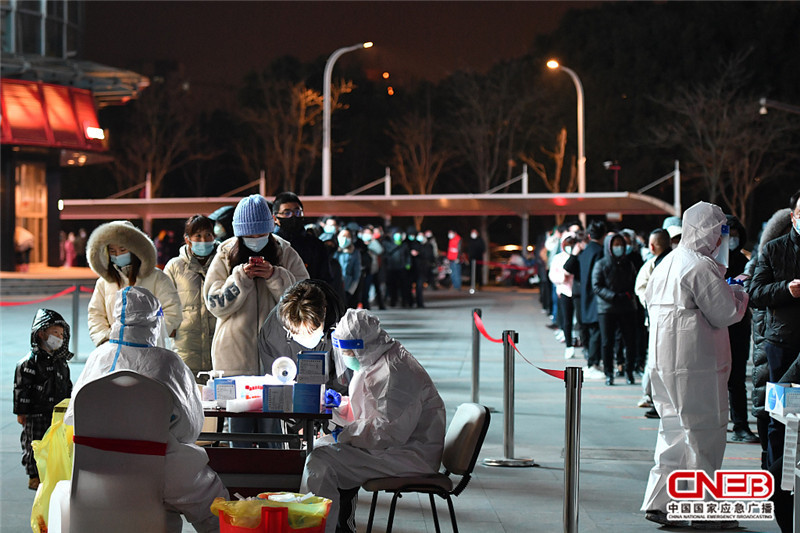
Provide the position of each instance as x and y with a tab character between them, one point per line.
616	441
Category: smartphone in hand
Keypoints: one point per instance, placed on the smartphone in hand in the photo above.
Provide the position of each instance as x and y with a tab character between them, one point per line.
256	260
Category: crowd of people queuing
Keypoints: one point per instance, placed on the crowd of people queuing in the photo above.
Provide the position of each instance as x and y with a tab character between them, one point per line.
678	308
681	308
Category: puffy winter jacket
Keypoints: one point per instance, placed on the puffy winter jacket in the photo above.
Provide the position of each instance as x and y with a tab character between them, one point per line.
582	267
41	379
776	226
101	305
241	305
613	281
194	335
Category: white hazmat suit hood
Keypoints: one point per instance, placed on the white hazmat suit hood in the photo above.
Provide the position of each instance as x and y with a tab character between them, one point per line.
190	485
690	307
394	423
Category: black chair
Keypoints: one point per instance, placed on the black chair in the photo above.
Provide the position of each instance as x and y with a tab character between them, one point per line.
462	444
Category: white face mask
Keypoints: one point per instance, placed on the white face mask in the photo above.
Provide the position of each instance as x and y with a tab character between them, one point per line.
309	340
733	243
256	244
53	342
474	235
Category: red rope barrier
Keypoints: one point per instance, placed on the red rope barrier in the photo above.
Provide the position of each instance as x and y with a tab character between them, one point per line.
479	324
87	289
40	300
482	328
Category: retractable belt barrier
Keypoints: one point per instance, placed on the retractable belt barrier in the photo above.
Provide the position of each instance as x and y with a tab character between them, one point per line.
573	380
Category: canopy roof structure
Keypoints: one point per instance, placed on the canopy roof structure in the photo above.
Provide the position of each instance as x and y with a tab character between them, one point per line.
624	203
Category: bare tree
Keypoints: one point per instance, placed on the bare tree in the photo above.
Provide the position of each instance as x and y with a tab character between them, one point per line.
731	148
553	182
418	156
160	136
285	121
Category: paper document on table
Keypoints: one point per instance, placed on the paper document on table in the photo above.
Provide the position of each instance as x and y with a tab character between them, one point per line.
789	453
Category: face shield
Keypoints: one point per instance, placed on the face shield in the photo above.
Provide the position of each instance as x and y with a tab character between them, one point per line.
723	250
345	347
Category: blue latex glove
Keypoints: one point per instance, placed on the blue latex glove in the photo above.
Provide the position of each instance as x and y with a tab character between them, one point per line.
335	434
332	398
734	281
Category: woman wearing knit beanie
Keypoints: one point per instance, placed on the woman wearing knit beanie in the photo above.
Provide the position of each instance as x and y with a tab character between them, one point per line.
246	279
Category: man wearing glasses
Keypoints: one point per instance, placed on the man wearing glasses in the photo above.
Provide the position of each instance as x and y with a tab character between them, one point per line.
287	210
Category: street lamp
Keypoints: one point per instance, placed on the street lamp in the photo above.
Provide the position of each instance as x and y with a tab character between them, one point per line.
326	114
554	65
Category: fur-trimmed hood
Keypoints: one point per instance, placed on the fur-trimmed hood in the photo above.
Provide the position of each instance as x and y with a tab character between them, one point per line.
777	225
120	233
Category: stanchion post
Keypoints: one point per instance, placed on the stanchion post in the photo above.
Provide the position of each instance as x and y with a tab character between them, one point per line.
476	356
472	266
508	406
573	380
76	303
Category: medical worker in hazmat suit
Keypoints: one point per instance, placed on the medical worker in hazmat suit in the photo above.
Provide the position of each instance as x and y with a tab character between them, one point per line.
393	422
190	486
690	307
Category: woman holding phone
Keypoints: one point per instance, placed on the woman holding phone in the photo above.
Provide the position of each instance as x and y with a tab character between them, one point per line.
247	277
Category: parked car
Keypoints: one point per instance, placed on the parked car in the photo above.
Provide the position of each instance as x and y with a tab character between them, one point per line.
508	266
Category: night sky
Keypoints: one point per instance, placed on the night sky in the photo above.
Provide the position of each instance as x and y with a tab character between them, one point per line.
218	42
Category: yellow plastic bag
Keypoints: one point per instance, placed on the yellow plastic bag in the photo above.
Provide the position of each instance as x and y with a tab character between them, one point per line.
247	513
53	456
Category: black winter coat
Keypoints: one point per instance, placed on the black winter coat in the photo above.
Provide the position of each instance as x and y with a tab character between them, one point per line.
613	281
41	379
778	264
777	225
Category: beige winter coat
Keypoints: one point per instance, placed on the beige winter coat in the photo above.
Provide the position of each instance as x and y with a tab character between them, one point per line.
101	305
242	304
194	335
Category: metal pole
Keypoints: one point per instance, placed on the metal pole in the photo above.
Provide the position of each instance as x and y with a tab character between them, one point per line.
387	182
573	380
472	265
326	114
677	189
508	397
76	301
508	407
476	356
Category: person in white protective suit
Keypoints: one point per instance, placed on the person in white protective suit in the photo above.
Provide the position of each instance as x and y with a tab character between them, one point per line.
190	486
393	422
690	307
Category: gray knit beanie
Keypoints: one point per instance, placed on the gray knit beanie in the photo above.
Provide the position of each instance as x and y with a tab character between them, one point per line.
252	216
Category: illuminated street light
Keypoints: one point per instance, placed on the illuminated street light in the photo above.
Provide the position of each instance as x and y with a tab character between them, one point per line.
554	65
326	113
765	103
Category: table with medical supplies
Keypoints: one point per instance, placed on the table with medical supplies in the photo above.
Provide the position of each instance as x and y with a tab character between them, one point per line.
249	471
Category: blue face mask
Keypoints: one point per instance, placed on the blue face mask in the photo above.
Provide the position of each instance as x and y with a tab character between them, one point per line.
628	248
256	244
733	243
618	251
397	238
797	225
344	242
202	248
121	260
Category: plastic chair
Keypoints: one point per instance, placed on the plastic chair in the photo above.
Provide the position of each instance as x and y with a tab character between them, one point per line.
462	444
121	431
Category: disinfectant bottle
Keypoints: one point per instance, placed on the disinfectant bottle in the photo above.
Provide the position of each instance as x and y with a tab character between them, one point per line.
208	390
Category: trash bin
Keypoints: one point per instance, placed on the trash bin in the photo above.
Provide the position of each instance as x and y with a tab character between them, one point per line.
263	515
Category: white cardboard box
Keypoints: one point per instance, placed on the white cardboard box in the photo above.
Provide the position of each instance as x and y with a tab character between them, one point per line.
783	398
